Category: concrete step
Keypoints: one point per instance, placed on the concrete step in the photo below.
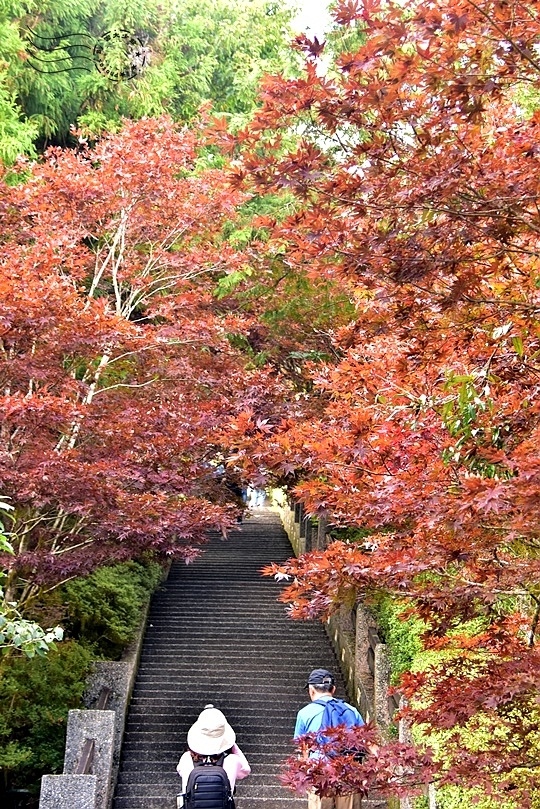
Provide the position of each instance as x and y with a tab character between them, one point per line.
170	776
259	761
182	721
167	802
244	790
172	749
168	779
218	633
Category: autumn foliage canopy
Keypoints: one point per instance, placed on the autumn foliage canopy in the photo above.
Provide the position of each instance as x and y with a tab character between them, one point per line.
117	371
410	171
415	170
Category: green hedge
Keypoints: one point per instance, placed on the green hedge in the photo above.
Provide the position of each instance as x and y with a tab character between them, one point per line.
101	615
35	696
104	609
453	797
402	635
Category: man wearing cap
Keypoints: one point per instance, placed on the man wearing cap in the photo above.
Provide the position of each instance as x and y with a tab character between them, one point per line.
209	737
321	686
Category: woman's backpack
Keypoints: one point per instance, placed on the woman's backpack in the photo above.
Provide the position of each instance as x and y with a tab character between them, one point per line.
208	786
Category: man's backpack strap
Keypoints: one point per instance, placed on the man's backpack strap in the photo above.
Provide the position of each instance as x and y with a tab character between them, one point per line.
337	712
322	702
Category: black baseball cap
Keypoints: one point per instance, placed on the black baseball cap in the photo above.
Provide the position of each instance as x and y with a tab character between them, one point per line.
320	677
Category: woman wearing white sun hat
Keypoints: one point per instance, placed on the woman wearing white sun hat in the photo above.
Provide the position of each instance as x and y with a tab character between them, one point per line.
212	736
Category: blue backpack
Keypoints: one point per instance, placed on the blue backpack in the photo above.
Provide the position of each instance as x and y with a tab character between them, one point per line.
338	712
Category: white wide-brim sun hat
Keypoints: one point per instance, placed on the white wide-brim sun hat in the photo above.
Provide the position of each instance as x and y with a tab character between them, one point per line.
211	734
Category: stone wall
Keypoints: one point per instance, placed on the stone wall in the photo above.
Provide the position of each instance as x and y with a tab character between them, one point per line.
350	629
68	791
364	659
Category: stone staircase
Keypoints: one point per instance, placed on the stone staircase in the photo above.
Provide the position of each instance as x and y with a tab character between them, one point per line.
217	634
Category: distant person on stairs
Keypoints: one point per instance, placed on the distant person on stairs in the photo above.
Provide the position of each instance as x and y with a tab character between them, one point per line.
255	497
212	740
321	687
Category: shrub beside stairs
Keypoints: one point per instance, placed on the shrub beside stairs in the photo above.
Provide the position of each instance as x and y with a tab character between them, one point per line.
217	634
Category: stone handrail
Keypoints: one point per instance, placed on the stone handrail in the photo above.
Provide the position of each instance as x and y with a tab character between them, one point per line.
85	765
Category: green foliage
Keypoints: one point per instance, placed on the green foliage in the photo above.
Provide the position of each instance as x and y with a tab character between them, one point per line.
16	134
466	399
104	608
350	534
247	228
103	612
5	508
451	797
221	48
196	52
342	40
227	285
35	696
58	81
403	637
17	633
294	308
302	302
401	634
406	650
527	99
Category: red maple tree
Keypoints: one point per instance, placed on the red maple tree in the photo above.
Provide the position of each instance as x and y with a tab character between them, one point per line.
117	371
416	173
